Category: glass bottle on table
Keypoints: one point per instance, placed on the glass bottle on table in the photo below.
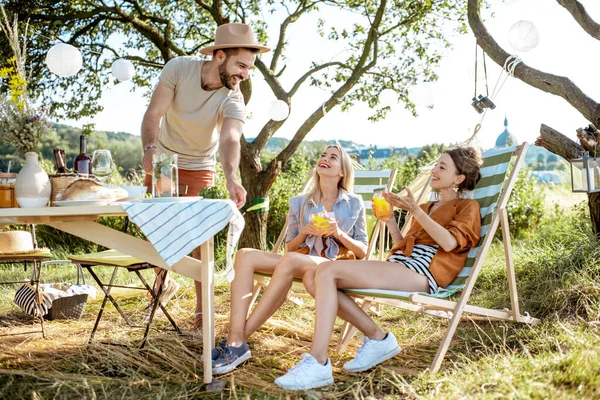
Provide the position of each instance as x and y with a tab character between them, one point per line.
83	162
59	159
165	175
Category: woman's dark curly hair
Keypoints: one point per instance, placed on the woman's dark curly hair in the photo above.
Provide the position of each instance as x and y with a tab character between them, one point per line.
467	161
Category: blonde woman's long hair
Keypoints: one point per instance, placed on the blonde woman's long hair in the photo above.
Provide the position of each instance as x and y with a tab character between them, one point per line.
345	183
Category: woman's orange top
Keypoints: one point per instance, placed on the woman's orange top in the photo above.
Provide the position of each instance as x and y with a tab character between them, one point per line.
462	218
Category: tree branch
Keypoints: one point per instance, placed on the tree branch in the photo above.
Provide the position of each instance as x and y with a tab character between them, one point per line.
138	59
214	10
359	70
580	15
557	85
557	143
316	69
89	27
160	39
291	18
270	127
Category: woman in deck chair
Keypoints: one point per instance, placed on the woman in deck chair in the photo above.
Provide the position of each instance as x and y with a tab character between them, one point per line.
430	256
343	236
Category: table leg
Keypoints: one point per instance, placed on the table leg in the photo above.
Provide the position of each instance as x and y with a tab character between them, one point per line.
208	320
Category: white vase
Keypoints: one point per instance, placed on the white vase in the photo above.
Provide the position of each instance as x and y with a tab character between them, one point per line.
32	188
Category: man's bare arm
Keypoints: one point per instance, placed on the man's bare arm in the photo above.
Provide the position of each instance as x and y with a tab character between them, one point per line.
162	98
229	150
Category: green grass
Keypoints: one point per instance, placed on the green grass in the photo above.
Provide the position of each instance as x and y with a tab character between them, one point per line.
558	276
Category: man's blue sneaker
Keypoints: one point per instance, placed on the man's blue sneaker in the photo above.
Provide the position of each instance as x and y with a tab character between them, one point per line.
230	357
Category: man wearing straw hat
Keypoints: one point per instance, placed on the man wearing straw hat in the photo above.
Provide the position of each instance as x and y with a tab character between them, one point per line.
202	111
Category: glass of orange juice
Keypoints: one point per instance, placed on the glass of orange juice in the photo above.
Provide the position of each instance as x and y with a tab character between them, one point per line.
382	207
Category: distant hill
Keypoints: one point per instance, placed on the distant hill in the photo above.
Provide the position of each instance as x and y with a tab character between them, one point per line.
126	148
127	153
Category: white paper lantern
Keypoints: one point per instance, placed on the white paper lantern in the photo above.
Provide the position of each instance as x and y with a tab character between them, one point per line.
523	36
388	98
64	60
279	110
123	69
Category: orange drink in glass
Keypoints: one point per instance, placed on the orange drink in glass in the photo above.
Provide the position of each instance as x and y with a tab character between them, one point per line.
382	207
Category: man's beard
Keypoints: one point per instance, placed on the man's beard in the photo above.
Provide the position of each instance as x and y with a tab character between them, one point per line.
226	77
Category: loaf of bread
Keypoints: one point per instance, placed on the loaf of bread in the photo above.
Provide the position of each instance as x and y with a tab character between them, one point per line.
86	189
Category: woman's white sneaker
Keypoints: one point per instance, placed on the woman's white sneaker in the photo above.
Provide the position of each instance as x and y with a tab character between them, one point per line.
307	374
373	352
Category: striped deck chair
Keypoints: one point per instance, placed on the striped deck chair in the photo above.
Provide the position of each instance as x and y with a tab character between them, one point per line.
492	193
365	181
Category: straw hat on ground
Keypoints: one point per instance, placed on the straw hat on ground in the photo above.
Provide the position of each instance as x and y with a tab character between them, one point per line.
230	36
17	242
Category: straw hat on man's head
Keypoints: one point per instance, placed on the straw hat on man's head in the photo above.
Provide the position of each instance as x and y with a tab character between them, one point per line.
231	36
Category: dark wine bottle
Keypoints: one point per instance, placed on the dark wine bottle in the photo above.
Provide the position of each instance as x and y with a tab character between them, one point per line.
83	162
59	159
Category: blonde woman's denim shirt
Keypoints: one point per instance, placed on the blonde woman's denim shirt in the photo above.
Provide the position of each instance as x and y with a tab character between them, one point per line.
349	211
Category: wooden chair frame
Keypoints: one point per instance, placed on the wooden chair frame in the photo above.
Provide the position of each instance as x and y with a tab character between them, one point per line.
135	267
37	263
461	309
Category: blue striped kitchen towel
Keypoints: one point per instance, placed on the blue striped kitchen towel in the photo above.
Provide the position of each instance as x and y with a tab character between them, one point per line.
175	228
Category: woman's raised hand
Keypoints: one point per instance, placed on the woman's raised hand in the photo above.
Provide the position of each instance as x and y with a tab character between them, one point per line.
404	202
386	218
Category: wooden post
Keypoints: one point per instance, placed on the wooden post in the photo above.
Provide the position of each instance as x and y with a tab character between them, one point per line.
208	315
510	267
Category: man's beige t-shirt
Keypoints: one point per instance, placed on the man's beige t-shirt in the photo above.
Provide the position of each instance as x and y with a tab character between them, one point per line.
192	124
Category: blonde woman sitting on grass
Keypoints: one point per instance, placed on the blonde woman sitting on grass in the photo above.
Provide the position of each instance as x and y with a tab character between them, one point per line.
342	235
430	256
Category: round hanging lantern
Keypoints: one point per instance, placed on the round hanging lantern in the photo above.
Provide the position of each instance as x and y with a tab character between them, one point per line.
523	36
64	60
123	69
279	110
388	98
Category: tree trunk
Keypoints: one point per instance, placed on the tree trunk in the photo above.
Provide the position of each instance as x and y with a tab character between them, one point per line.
257	182
557	143
594	207
255	232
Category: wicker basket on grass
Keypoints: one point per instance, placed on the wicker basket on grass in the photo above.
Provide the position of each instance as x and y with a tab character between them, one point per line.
70	307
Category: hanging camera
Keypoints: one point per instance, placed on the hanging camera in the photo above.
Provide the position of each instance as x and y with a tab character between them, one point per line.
487	102
477	105
481	103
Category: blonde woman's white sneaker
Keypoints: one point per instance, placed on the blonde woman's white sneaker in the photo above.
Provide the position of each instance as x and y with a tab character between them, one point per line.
373	352
307	374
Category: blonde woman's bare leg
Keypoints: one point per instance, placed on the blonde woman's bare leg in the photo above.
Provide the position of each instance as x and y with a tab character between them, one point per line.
331	276
247	261
347	309
289	266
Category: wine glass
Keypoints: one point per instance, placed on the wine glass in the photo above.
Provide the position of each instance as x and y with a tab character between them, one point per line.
102	165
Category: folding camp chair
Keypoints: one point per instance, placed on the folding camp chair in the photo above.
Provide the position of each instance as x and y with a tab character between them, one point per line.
365	181
115	259
492	194
36	257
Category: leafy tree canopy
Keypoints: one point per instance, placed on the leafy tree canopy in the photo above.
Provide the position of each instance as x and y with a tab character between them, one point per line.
380	44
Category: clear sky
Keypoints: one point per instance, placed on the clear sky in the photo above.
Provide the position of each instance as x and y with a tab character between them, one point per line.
564	49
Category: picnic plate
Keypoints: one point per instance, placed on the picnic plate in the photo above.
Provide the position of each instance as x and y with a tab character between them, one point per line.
168	199
71	203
